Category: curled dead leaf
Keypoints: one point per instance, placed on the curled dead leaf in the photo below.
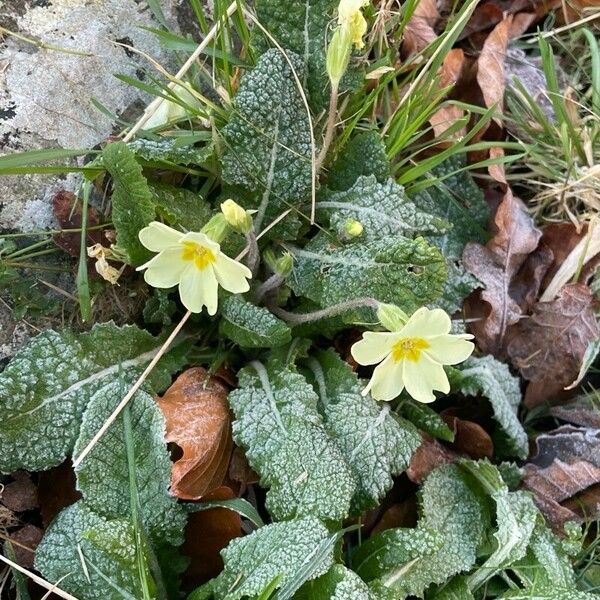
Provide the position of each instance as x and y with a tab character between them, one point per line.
490	69
496	265
429	455
198	421
420	29
207	532
566	466
21	494
551	343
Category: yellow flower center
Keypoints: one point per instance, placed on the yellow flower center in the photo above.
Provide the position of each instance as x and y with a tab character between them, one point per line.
201	255
409	349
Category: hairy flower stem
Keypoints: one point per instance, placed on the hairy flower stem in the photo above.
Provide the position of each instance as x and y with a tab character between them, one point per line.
269	285
253	257
330	127
332	311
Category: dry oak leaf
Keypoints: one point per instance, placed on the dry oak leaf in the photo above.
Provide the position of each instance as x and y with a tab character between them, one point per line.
197	420
566	465
496	264
419	31
490	66
551	343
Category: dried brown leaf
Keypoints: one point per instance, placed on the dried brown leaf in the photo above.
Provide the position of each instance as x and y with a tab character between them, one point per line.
420	29
429	455
496	265
198	421
551	343
583	411
24	542
21	494
490	66
207	532
566	465
68	212
470	438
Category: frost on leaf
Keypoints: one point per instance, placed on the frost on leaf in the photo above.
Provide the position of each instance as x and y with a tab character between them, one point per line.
339	583
103	476
396	270
107	546
132	206
364	155
301	27
382	209
492	379
375	443
279	549
252	326
455	199
452	510
47	385
516	517
278	424
267	140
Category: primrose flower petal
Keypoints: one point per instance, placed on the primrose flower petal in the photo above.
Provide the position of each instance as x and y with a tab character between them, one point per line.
450	349
422	377
387	381
374	347
351	18
193	261
413	357
158	236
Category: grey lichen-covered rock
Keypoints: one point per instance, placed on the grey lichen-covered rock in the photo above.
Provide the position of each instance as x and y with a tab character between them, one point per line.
45	95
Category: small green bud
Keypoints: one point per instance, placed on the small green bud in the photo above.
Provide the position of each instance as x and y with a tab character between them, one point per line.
216	228
338	54
282	264
391	317
353	228
237	217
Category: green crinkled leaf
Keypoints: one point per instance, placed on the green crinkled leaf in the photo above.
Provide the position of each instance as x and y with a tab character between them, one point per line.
179	207
278	424
375	443
552	593
302	28
103	477
492	379
108	545
339	583
382	208
267	140
388	554
280	549
364	155
397	270
427	420
457	589
459	201
47	385
168	151
458	286
252	326
516	516
132	204
452	509
546	562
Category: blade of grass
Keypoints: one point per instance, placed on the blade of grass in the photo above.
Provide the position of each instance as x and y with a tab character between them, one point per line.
83	286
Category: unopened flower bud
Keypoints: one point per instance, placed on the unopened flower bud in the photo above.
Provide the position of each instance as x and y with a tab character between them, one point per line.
391	317
353	228
216	228
236	216
282	264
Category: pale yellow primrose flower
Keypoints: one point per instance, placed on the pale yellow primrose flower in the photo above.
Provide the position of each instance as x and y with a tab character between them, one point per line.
413	356
351	17
195	263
